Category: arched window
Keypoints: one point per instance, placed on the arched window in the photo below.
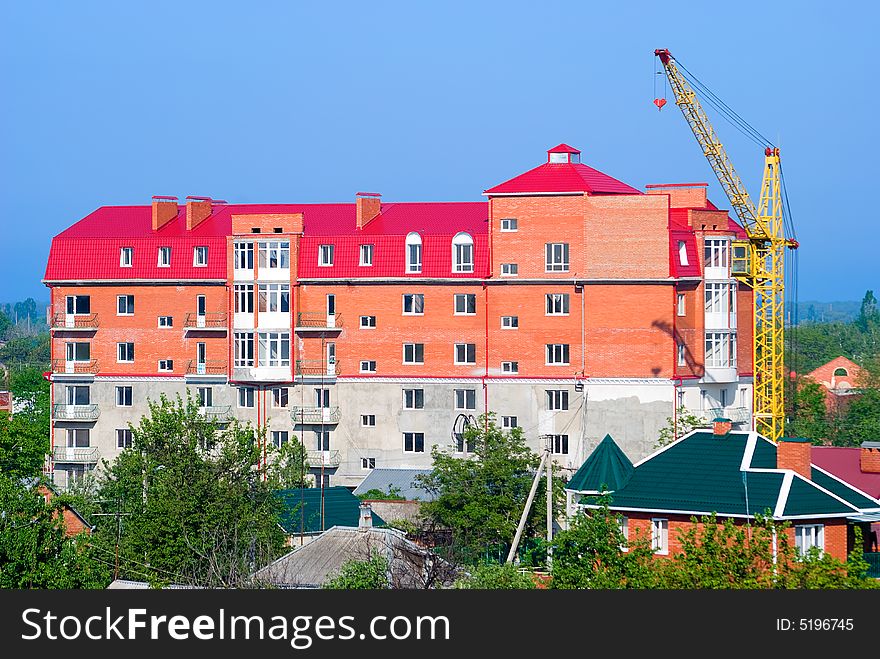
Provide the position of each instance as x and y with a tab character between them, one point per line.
413	252
462	253
841	372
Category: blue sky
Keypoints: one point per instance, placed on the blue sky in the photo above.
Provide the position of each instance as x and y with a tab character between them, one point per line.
111	102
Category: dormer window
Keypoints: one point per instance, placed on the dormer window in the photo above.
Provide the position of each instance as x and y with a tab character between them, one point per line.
164	257
413	253
682	253
126	257
200	256
325	255
462	253
563	154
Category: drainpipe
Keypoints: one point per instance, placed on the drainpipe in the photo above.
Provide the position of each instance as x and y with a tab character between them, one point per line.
486	371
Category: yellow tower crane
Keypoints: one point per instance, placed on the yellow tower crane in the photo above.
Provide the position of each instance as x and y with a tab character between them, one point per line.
758	261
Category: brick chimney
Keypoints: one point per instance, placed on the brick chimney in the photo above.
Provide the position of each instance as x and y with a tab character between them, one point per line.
198	209
369	205
366	519
794	453
869	458
164	210
721	427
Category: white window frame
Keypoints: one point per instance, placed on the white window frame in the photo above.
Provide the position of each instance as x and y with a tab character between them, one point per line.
558	354
280	398
368	420
623	527
660	535
509	269
123	393
280	438
76	351
415	437
720	349
509	422
682	253
244	298
413	399
246	398
559	444
71	392
510	322
556	257
468	350
277	250
166	321
369	324
465	399
200	256
681	354
413	253
415	350
244	353
123	438
681	303
243	256
509	224
129	352
510	367
368	366
368	463
322	440
716	253
205	396
163	259
416	300
557	400
126	301
267	342
807	536
273	298
325	255
166	366
463	301
366	256
73	434
126	257
557	304
462	252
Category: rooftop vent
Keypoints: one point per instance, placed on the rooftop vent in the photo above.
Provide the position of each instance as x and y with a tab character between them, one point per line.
563	154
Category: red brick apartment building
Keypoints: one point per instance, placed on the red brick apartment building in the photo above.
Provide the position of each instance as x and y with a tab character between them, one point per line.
570	304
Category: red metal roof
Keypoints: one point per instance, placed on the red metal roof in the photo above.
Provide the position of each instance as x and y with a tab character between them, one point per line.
563	148
843	462
562	177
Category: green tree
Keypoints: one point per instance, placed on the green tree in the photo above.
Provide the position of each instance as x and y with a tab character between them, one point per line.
5	324
809	414
31	391
289	465
869	315
370	574
23	447
679	426
375	494
505	576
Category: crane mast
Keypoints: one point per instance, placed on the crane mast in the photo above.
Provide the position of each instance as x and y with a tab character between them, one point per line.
758	261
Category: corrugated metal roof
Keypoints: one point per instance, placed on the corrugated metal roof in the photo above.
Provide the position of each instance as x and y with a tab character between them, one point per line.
401	480
607	468
341	508
844	462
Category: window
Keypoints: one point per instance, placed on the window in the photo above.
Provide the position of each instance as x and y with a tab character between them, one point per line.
556	257
368	463
200	257
126	257
510	367
274	255
123	438
716	253
166	365
366	255
465	399
413	252
413	399
465	304
322	440
463	445
244	349
205	396
681	301
557	354
840	372
274	298
123	397
125	305
509	322
166	321
77	438
325	255
720	350
413	304
244	298
280	397
462	253
164	257
413	442
246	397
244	256
559	444
660	535
508	224
280	438
807	536
623	527
682	253
368	420
125	352
682	359
368	366
274	348
368	322
720	297
557	399
79	351
465	353
322	398
509	422
509	269
413	353
78	395
78	305
557	304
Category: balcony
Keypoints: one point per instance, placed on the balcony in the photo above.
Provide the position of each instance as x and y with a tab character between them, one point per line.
315	415
213	369
63	412
216	321
80	454
64	367
322	458
218	413
735	414
316	321
316	368
72	323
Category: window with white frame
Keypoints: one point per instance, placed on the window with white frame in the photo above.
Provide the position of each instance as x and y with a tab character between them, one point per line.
413	304
720	297
205	396
465	353
274	298
413	253
508	224
368	420
280	397
716	253
681	354
78	305
280	438
166	365
556	257
623	527
465	399
413	353
123	396
322	397
368	463
164	257
243	256
557	304
246	397
274	348
78	395
244	349
368	366
244	298
366	255
78	351
557	354
557	399
463	444
325	255
509	269
126	257
807	536
413	399
682	253
166	321
509	422
413	442
462	253
123	438
720	350
465	304
509	322
77	438
368	322
125	352
274	255
660	535
510	367
125	305
200	256
322	440
680	304
559	444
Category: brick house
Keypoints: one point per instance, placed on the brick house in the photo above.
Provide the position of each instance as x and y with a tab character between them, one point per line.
840	378
733	474
74	522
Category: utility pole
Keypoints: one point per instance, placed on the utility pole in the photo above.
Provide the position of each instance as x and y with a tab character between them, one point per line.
549	456
118	514
525	513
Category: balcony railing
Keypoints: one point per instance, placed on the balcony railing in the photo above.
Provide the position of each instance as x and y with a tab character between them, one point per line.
63	321
316	320
323	458
215	320
219	413
735	414
316	368
64	412
210	367
76	454
303	415
85	367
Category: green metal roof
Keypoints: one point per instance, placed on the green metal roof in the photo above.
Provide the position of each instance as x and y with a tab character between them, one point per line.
804	498
607	468
341	508
842	490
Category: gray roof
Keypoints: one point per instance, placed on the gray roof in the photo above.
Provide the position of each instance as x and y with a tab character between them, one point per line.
401	479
